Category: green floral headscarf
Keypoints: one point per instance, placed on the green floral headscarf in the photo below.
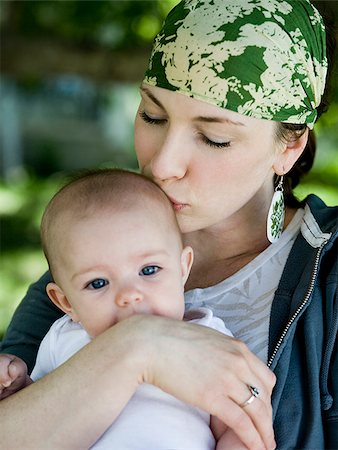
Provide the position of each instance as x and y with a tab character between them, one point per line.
260	58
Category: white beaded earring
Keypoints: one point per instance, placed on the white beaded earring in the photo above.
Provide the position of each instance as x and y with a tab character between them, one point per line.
275	220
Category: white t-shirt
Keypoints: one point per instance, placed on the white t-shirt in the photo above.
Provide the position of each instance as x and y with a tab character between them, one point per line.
244	300
152	419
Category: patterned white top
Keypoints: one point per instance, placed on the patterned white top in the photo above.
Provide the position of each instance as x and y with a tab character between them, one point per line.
244	300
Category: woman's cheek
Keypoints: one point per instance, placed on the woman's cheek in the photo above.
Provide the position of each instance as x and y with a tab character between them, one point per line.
143	141
139	148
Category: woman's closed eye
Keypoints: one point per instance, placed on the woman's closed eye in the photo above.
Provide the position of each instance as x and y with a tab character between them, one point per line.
151	120
98	283
155	121
214	144
149	270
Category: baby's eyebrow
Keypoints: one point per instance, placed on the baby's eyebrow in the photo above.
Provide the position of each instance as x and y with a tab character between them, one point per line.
86	270
153	253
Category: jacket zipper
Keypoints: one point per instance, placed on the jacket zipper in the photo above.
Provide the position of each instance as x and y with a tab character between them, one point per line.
301	306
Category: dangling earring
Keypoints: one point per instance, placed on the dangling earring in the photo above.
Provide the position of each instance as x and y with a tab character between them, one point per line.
275	220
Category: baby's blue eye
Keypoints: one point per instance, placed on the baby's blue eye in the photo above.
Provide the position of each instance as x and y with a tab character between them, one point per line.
99	283
149	270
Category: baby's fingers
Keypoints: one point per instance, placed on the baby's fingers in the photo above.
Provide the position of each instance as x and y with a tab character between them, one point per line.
5	378
13	375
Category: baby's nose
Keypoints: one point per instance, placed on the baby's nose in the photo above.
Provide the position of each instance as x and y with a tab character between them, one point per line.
128	296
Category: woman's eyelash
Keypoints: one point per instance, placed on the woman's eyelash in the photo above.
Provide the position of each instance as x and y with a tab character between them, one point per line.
147	119
216	144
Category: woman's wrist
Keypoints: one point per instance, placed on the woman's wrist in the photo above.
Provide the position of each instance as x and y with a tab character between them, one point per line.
147	345
132	342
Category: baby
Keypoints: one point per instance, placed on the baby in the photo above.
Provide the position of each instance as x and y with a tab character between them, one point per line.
114	249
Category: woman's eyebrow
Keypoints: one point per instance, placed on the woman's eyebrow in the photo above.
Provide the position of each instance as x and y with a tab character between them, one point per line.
152	97
218	120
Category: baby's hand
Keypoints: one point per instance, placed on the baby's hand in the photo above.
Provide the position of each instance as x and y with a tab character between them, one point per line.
13	375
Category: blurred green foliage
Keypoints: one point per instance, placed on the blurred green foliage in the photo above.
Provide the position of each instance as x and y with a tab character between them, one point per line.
117	24
21	206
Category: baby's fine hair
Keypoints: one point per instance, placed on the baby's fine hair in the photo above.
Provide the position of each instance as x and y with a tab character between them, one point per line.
96	191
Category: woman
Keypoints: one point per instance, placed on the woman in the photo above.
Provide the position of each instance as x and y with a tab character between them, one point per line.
232	91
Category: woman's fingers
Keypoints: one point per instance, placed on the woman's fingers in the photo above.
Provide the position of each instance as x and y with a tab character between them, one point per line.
243	425
260	412
251	422
261	415
261	406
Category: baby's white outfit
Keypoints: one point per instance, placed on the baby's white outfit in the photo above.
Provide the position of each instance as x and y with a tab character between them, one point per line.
152	419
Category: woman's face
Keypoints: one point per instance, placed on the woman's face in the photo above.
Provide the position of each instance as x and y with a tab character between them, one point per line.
214	164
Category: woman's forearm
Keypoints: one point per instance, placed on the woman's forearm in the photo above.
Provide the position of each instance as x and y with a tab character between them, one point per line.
75	404
72	406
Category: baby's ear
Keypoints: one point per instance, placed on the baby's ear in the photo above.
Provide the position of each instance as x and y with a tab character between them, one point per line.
56	294
187	259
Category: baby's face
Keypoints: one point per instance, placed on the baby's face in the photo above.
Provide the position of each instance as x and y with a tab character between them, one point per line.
118	264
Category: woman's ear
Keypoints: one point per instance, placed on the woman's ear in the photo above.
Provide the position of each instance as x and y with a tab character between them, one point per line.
289	153
56	294
187	258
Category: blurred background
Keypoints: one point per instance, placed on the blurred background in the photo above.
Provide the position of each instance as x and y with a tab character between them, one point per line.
69	77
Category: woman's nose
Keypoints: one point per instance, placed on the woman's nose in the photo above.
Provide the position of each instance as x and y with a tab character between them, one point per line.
128	297
171	160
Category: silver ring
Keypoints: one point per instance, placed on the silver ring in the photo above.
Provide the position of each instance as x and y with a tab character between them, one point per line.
254	394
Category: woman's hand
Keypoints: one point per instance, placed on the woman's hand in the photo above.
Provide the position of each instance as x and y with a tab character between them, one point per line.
205	368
